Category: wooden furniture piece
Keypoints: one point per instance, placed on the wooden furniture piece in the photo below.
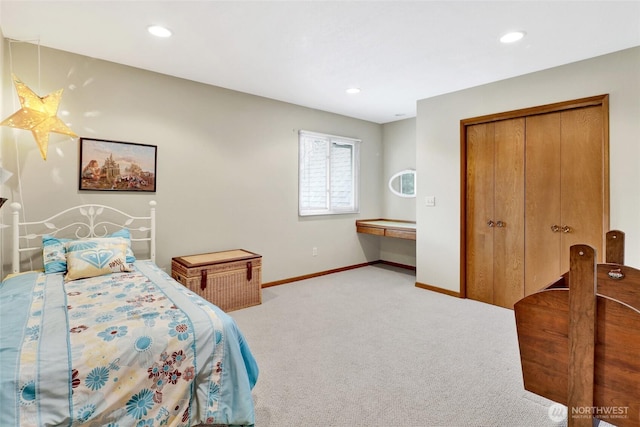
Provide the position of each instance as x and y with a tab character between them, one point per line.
229	279
579	338
535	183
387	227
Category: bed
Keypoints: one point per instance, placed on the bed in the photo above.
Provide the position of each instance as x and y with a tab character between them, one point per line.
579	338
110	339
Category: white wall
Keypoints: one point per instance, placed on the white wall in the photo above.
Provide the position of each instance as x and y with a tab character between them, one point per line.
438	151
227	163
399	141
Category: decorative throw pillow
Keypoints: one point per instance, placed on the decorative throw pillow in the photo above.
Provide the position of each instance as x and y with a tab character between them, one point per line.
53	250
53	254
95	257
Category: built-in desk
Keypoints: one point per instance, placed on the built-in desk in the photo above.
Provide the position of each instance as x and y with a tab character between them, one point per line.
387	227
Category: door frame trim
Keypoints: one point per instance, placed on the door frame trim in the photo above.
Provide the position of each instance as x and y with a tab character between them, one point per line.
602	100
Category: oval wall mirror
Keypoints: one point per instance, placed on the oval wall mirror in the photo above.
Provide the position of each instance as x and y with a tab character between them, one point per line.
403	183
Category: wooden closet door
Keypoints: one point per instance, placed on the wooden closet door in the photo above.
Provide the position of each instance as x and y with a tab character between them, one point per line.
495	212
508	247
542	202
583	177
563	181
480	201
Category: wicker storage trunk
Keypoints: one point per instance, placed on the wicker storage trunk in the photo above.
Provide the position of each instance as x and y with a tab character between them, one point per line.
229	279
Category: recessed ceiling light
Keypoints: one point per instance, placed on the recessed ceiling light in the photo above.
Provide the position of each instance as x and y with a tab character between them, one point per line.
353	90
159	31
512	36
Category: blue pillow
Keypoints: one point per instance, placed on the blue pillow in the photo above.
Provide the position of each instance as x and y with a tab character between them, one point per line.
54	252
127	235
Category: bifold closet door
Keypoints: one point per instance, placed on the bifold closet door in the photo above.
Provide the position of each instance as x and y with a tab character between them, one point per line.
542	201
480	201
495	212
583	181
508	248
564	190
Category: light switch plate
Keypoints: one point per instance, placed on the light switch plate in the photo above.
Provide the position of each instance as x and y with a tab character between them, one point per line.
430	201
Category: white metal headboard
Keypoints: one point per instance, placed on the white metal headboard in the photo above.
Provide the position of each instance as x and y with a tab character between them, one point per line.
81	222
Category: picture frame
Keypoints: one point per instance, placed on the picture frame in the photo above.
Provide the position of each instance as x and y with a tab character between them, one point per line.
106	165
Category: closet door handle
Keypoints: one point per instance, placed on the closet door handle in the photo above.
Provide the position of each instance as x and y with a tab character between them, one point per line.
490	223
500	224
555	228
566	229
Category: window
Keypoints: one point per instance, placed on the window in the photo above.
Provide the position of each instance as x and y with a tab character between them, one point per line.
328	174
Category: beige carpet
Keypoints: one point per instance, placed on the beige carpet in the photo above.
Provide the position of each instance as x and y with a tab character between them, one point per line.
365	347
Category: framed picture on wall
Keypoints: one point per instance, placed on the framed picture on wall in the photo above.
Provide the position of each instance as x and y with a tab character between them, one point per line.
117	166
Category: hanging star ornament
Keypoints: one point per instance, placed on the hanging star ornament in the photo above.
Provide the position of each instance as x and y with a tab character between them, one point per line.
38	114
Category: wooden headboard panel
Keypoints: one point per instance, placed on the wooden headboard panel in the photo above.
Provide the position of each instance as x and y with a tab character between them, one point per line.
80	222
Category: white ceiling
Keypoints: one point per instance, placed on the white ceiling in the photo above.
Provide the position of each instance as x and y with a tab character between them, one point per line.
309	52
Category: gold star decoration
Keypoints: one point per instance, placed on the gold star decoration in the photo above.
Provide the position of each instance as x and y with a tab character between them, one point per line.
38	114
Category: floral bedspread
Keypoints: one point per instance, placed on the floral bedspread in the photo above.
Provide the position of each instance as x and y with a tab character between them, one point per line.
125	349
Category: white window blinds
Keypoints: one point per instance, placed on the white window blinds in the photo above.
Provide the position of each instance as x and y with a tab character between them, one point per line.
328	174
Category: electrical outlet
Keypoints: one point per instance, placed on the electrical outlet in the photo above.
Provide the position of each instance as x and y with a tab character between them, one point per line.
314	252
